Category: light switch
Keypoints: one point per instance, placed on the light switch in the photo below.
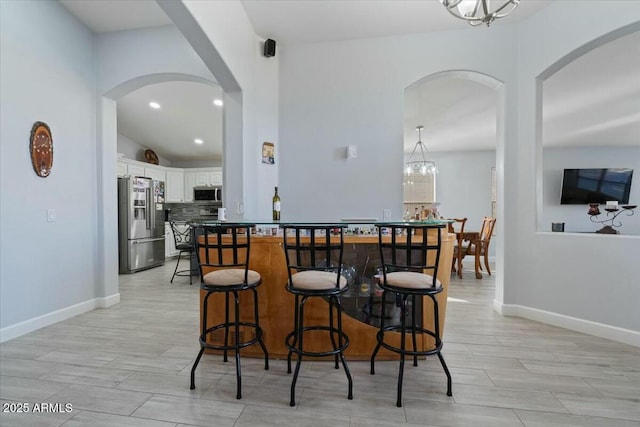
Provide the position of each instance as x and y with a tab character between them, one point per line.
352	152
51	215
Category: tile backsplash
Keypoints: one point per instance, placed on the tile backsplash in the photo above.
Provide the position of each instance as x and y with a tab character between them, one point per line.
187	211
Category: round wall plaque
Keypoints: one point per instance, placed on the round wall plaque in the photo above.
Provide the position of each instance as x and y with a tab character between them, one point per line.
41	148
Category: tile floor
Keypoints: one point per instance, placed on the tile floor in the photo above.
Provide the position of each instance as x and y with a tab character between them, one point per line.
129	365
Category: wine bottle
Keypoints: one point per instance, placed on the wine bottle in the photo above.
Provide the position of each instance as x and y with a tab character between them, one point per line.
276	206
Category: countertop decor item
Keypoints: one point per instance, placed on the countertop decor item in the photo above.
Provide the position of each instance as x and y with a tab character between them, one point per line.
478	12
41	148
610	221
151	157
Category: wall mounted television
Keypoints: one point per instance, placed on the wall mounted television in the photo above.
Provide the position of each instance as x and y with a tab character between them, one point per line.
583	186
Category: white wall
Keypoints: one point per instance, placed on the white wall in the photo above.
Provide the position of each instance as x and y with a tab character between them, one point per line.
47	73
352	92
341	93
575	216
134	151
227	26
562	276
463	186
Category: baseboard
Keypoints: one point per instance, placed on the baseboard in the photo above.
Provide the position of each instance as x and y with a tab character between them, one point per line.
22	328
614	333
107	302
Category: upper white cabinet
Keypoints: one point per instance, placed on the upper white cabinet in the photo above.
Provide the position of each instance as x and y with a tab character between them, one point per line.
179	182
132	168
174	186
200	177
135	170
157	173
189	183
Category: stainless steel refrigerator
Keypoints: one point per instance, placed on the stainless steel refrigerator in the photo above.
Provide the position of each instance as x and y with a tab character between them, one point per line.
140	223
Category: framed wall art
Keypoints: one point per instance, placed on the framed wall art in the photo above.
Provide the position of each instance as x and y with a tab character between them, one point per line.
268	153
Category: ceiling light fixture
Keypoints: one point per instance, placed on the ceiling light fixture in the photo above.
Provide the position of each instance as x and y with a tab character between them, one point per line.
420	167
198	141
478	12
218	102
154	105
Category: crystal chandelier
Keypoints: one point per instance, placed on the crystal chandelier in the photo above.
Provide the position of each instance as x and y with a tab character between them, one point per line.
420	167
478	12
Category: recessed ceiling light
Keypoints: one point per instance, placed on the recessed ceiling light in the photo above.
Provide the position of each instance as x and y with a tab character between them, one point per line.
218	102
154	105
198	141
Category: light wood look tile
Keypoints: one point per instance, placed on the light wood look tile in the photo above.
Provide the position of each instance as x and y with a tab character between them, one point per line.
129	365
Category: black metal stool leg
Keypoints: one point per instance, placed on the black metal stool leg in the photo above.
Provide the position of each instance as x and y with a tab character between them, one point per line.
413	329
300	329
237	340
203	337
403	338
176	269
331	334
380	334
259	330
226	327
344	362
439	342
295	336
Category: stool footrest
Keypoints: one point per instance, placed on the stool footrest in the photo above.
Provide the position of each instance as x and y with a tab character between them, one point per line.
339	349
408	331
231	346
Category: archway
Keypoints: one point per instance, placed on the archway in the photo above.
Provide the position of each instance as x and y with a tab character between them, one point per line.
494	87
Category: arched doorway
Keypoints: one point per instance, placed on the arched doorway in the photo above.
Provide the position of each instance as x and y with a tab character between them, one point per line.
477	108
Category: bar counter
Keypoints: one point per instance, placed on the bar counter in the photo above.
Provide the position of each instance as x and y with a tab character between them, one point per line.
360	303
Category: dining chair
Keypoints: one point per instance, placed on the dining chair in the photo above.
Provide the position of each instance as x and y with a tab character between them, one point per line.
480	247
459	250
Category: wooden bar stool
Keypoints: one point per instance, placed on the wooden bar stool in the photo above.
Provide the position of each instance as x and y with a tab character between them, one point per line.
223	257
410	254
314	264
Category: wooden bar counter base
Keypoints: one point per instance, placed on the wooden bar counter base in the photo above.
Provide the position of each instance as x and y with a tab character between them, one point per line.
277	305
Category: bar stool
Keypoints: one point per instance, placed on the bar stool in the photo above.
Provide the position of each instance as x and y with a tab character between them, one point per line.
223	258
410	256
182	240
314	263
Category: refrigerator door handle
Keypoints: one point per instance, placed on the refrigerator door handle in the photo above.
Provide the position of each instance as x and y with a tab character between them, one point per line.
153	239
148	209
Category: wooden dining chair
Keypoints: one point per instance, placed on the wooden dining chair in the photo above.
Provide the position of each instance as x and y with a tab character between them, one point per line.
480	247
459	250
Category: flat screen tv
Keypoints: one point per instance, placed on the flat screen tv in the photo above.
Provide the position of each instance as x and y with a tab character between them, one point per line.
582	186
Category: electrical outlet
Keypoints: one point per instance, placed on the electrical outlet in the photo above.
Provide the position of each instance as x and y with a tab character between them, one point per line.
386	214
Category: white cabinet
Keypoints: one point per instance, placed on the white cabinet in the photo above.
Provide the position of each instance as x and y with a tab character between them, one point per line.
174	186
135	170
189	183
200	177
179	182
215	177
157	173
130	168
122	169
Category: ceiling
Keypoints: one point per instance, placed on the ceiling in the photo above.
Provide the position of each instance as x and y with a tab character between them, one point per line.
186	113
457	114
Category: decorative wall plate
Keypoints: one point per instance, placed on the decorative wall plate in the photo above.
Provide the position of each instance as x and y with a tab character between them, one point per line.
151	157
41	148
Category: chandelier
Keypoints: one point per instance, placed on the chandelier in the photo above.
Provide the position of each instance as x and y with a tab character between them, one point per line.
478	12
420	167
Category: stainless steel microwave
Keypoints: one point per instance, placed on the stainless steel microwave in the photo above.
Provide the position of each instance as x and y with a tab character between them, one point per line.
207	194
